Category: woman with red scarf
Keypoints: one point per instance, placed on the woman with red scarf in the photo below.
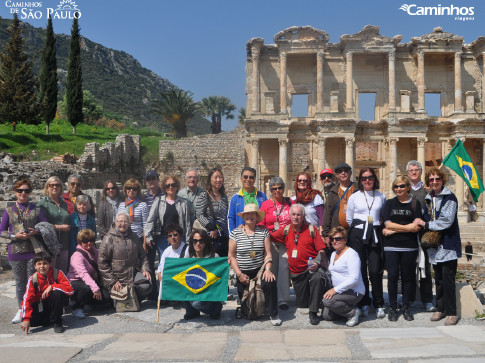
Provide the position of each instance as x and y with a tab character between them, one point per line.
136	209
310	198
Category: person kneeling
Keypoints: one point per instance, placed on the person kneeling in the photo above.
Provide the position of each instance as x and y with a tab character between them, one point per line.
47	293
349	289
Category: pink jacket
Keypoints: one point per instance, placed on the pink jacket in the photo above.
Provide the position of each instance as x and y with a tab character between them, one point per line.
81	269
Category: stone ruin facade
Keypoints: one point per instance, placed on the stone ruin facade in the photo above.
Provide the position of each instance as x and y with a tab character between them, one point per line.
332	76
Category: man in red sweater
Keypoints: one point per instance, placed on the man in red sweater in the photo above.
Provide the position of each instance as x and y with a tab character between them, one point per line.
47	293
303	242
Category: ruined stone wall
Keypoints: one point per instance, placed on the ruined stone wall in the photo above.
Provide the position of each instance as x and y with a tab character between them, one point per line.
226	150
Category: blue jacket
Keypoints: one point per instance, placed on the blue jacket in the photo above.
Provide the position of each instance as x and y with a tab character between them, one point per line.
90	224
446	219
237	206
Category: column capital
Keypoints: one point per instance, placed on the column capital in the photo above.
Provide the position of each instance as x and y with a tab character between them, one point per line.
255	51
421	140
420	55
392	55
283	56
348	55
392	141
320	55
461	138
283	142
253	142
349	140
458	56
322	141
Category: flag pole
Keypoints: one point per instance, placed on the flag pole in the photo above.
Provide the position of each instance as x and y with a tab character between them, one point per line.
159	297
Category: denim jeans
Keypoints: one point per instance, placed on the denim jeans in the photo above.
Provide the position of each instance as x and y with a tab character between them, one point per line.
212	308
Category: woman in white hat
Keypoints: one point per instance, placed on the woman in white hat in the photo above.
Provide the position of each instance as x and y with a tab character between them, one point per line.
249	250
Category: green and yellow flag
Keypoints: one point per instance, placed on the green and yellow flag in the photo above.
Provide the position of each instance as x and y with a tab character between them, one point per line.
459	161
195	279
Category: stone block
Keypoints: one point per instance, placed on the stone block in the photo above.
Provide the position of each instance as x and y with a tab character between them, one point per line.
261	336
466	333
428	350
262	352
38	354
314	337
467	302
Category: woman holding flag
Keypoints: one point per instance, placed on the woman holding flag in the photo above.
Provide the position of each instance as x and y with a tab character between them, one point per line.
440	214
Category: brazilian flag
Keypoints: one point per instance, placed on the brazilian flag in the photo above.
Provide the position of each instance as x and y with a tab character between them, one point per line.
459	161
195	279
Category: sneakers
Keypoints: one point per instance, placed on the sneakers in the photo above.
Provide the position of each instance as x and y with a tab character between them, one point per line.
392	316
407	314
275	320
17	318
58	328
191	316
437	316
354	319
78	313
451	320
314	319
429	307
380	313
365	310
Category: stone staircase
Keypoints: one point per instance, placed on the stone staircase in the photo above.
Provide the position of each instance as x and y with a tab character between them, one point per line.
474	233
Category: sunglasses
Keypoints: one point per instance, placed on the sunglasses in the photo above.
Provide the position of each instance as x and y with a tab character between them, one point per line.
173	235
400	186
364	178
86	242
303	181
277	188
112	188
20	191
434	179
171	185
326	176
336	239
54	185
251	177
130	188
201	241
340	171
74	184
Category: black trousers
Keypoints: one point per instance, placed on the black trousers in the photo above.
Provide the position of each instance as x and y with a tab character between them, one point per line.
151	256
52	309
401	264
83	294
309	289
444	275
269	289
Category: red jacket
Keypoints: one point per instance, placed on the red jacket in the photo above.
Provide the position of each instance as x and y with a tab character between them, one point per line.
71	208
32	296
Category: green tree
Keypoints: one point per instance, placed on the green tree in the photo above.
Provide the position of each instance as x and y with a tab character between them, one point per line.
74	85
92	109
242	115
176	107
18	86
48	77
217	107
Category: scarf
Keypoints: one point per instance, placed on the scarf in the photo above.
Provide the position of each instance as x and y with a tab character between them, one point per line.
130	207
308	194
114	204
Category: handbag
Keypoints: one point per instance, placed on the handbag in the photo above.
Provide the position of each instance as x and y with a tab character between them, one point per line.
126	299
431	239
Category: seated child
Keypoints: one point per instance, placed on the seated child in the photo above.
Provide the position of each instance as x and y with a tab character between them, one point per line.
46	294
80	220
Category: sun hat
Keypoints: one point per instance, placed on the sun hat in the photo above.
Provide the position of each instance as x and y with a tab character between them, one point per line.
248	208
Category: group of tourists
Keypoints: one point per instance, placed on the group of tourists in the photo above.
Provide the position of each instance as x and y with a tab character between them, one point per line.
331	245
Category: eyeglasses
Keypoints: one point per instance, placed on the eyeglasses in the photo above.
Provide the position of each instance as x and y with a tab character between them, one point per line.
173	235
302	181
400	186
336	239
171	185
250	177
123	222
326	176
364	178
54	185
434	179
74	184
130	188
86	242
340	171
20	191
277	188
112	188
201	241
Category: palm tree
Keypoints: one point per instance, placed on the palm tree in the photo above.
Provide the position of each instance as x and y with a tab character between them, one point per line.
176	107
242	115
217	107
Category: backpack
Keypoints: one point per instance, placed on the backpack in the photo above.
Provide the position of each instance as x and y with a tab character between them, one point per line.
253	302
35	279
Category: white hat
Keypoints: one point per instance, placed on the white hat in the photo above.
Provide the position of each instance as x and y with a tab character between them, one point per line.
248	208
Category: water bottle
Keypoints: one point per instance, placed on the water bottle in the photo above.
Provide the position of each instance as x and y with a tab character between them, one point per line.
310	263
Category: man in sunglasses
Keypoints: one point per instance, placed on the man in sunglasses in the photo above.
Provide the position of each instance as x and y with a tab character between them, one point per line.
191	192
327	178
335	210
248	194
74	183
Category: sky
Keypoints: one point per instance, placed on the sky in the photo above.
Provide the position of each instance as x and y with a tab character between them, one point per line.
200	46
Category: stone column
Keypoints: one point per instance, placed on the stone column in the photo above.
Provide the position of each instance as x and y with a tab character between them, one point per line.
483	172
322	151
421	82
421	157
283	160
283	91
458	95
255	86
483	85
392	170
254	153
349	151
319	81
349	83
460	184
392	80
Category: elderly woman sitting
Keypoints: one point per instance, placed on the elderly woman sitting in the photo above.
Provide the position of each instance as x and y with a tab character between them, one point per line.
122	259
84	274
348	286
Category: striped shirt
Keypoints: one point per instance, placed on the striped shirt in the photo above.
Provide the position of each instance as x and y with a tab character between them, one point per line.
245	244
140	216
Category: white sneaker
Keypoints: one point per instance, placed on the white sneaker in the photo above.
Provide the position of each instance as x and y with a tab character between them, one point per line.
380	313
354	319
78	313
303	310
17	318
365	310
275	320
429	307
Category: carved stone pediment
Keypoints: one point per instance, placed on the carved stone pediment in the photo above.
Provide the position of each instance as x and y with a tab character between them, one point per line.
439	38
478	46
301	34
254	42
369	37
